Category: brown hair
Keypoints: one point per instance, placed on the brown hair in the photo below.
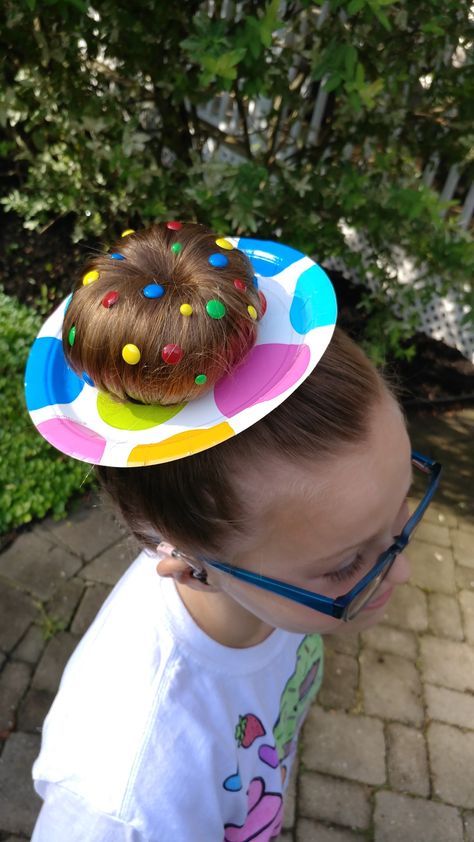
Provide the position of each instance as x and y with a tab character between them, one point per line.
198	502
173	261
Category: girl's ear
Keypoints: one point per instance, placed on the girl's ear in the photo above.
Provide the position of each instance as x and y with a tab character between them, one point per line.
182	572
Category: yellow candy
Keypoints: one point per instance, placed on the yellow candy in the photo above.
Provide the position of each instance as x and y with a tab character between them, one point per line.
185	309
90	277
131	354
224	244
252	312
127	232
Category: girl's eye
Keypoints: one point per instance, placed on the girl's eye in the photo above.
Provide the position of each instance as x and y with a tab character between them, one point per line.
347	572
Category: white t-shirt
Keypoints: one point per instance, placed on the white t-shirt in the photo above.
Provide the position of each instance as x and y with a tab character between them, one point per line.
160	734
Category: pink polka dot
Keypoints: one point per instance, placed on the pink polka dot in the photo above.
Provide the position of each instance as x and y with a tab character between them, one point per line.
73	439
267	371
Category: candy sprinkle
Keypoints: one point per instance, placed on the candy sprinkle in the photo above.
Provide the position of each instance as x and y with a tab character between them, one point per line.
215	309
131	354
224	244
117	256
174	226
240	285
176	248
218	260
72	335
153	291
200	379
172	354
252	312
127	232
110	299
185	309
90	277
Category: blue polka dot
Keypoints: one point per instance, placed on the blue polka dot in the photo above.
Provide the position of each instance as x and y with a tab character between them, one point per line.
268	258
255	281
48	378
218	260
314	302
87	379
153	291
115	255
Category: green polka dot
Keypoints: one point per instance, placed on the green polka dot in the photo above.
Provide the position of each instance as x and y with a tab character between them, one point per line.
176	248
215	309
200	379
72	335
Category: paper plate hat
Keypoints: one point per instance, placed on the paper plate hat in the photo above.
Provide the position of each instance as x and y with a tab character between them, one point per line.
293	334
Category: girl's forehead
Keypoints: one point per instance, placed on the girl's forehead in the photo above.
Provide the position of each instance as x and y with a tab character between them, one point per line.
325	506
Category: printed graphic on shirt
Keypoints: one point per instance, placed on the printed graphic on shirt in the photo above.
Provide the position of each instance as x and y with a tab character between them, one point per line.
264	816
265	808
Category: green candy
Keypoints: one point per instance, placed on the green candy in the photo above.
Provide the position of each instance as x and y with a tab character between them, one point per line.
72	335
200	379
176	248
215	309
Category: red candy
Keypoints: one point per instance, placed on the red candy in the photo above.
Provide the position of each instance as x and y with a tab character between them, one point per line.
240	285
110	299
263	302
172	354
174	226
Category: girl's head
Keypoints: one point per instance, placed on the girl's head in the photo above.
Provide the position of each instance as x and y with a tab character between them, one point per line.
311	494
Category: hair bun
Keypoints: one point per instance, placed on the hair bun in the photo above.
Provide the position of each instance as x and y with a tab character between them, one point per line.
164	315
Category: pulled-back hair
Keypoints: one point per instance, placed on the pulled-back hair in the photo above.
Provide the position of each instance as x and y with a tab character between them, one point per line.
199	502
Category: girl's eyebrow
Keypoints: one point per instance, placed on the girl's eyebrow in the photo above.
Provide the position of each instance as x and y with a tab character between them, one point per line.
365	540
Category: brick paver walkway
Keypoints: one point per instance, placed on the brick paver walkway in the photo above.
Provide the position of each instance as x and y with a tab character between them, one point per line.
387	753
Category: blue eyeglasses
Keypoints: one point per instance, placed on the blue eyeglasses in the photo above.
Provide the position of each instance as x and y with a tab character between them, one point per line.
347	606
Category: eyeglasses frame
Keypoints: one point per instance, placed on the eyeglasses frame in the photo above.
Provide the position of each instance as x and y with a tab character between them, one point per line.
339	608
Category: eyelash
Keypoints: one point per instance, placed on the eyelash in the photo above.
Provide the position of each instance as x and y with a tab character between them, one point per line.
347	572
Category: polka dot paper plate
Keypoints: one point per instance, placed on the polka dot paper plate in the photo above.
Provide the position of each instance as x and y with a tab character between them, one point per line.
293	334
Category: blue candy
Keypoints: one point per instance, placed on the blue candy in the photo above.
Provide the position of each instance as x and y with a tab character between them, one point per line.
218	260
117	256
153	291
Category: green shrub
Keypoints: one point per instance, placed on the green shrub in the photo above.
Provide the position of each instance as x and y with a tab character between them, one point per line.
35	479
100	102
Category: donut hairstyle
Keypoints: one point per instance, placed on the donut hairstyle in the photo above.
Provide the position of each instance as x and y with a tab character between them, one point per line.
164	316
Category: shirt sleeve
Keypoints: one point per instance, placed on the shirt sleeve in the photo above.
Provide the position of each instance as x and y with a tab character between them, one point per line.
66	816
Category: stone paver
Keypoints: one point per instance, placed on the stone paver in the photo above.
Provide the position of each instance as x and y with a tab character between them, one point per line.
19	804
308	831
399	818
407	760
341	674
450	706
387	751
327	738
447	663
391	687
329	799
466	600
394	641
451	754
407	609
108	567
432	567
445	616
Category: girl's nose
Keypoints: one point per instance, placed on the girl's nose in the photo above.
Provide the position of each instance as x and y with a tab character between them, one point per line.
399	572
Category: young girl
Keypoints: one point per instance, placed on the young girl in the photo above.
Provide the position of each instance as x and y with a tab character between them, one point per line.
264	464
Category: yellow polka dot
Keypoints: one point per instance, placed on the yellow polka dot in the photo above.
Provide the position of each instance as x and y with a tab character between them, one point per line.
131	354
224	244
127	232
185	309
90	277
181	444
252	312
